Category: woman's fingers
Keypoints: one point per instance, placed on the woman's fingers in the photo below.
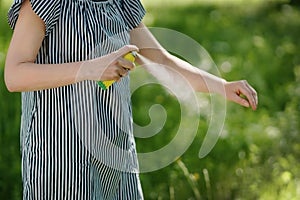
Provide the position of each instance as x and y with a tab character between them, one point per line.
246	91
123	65
126	64
240	100
114	65
242	93
252	96
119	69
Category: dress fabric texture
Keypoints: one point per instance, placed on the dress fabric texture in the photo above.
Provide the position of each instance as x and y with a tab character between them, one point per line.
77	141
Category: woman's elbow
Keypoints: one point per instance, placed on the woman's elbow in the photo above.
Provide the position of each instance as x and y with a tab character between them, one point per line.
10	85
9	79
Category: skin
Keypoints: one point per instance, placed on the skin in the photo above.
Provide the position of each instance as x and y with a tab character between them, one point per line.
22	74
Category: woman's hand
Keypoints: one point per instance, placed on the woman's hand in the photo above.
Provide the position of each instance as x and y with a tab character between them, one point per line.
242	93
109	67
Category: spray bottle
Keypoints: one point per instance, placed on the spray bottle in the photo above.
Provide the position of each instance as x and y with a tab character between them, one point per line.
105	84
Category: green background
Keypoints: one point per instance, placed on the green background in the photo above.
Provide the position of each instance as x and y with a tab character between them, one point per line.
258	155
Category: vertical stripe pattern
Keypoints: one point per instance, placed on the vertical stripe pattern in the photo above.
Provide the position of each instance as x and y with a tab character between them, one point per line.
77	140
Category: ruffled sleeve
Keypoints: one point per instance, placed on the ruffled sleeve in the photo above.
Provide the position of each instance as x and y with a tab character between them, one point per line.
133	12
47	10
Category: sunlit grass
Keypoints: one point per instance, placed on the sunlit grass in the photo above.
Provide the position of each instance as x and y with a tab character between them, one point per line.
163	3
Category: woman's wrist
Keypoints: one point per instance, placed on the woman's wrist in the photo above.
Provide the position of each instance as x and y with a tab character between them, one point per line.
85	71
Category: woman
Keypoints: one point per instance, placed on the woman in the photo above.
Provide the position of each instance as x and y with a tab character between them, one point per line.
58	51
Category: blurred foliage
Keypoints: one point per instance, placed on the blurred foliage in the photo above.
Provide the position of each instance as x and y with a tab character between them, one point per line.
10	164
258	155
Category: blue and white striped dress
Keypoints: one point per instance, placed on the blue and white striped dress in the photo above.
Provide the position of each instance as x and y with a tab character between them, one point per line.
77	141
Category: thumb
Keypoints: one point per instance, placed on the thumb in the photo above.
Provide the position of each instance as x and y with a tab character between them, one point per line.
126	49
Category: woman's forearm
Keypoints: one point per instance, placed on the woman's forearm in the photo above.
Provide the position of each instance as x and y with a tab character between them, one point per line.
29	76
150	48
200	80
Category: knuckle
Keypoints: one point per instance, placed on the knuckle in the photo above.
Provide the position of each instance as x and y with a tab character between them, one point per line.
130	65
116	77
244	82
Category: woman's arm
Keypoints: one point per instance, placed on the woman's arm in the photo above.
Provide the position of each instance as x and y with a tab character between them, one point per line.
22	74
200	80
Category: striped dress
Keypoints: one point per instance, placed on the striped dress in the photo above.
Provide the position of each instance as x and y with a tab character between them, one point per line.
77	141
